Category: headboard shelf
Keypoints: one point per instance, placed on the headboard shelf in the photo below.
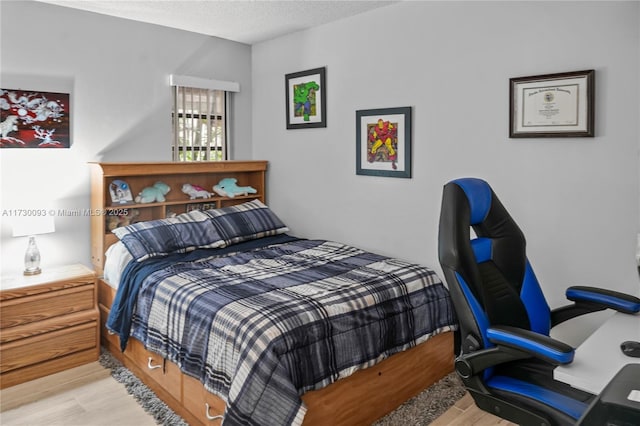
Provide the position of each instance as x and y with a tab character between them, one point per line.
171	168
141	175
210	200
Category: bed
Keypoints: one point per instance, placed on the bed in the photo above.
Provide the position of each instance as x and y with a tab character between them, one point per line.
235	319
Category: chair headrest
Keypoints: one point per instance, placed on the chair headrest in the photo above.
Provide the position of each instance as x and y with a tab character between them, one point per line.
478	193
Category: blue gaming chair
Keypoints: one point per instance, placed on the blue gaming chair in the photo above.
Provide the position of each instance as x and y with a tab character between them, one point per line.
505	355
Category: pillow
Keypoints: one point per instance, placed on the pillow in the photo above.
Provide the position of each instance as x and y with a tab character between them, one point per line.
116	259
247	221
160	237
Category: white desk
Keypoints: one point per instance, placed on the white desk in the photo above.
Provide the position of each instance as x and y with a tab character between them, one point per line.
599	357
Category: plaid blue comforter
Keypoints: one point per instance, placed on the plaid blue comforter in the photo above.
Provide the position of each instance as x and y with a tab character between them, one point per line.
261	327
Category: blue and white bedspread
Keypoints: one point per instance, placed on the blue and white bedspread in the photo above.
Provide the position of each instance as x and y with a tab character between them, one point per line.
261	327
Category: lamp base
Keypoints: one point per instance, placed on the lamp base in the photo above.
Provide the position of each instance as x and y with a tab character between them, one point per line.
32	258
34	271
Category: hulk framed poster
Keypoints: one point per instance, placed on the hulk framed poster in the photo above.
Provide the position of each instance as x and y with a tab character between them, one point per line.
306	99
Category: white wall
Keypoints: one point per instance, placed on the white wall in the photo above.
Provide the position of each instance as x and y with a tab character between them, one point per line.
117	72
576	199
638	122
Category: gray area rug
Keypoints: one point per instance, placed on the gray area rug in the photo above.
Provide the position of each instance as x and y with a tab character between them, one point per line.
145	396
428	405
418	411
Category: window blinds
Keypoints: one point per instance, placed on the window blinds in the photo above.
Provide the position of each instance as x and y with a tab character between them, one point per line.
200	118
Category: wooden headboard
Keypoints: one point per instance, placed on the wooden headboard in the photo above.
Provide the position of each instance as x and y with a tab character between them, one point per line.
141	175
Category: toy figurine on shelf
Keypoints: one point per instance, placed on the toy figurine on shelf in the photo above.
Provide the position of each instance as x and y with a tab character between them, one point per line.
153	193
195	191
227	187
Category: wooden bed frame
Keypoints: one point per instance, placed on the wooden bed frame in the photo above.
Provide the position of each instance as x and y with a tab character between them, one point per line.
359	399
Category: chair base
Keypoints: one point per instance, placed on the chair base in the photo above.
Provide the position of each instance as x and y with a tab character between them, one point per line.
507	411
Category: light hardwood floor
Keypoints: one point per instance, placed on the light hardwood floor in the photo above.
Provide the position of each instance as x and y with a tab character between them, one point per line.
81	396
465	413
88	396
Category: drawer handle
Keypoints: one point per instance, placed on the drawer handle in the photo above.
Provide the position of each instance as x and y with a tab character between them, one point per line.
150	366
209	416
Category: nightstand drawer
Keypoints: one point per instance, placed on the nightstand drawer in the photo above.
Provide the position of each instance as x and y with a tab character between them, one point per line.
48	346
28	309
48	323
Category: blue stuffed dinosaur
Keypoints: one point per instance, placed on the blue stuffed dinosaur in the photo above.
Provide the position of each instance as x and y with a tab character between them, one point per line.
227	188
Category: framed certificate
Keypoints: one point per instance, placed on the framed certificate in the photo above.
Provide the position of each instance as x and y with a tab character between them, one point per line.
552	105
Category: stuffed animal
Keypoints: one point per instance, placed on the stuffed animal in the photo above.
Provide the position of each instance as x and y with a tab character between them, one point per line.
195	191
130	217
114	222
153	193
227	188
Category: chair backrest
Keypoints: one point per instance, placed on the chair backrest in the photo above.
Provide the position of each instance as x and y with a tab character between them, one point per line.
489	276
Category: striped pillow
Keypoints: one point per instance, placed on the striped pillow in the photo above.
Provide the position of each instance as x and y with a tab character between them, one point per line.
180	234
247	221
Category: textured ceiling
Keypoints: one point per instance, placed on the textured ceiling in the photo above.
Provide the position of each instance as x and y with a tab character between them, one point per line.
238	20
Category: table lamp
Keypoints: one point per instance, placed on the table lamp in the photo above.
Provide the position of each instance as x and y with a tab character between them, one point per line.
31	226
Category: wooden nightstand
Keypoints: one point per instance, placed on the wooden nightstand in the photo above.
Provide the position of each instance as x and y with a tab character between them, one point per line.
48	323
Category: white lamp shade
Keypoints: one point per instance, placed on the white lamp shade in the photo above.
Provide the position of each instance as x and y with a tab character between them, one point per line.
32	225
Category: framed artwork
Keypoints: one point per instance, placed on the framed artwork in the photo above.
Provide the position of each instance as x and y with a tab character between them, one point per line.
552	105
383	142
306	99
120	192
30	119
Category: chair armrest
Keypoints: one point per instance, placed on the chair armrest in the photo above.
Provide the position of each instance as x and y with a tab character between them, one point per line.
593	299
537	345
620	302
513	344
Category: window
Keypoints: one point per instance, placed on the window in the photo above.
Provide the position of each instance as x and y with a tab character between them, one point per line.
200	118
